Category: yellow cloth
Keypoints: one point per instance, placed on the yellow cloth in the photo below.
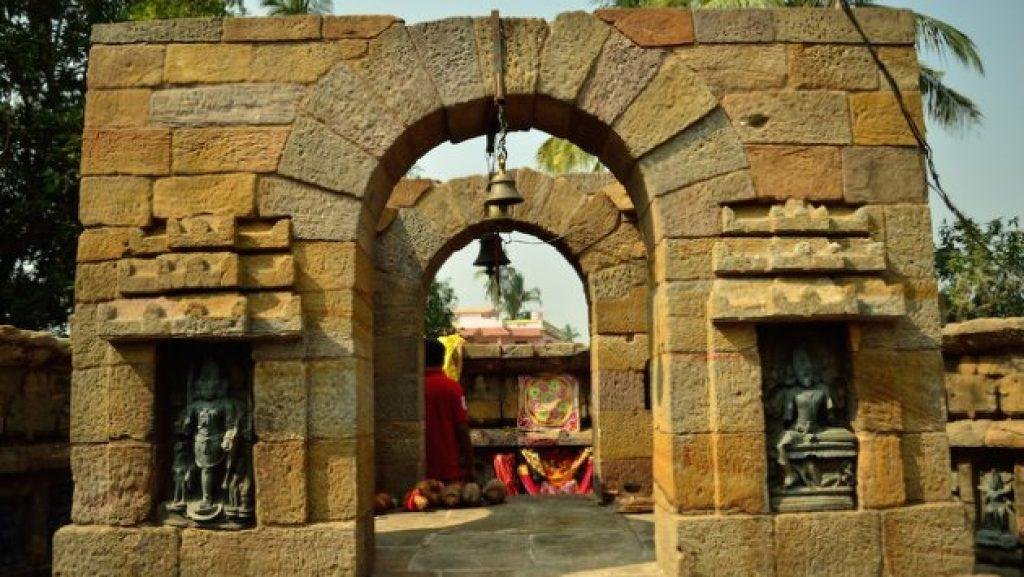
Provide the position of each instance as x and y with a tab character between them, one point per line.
452	355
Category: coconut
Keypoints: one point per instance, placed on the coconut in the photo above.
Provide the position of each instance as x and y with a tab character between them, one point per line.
494	492
415	501
382	503
451	495
471	495
431	489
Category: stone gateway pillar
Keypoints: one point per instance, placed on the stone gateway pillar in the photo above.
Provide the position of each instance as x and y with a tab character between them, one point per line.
234	174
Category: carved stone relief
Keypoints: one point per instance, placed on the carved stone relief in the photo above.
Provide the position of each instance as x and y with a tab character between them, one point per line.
997	524
812	450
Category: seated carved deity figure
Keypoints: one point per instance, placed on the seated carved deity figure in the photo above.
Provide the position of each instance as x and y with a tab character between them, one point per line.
812	450
996	516
211	426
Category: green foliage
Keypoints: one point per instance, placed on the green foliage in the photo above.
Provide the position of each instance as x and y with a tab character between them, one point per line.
557	156
294	7
513	295
162	9
439	319
569	333
981	271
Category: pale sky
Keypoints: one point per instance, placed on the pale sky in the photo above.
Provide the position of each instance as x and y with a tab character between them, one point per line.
982	170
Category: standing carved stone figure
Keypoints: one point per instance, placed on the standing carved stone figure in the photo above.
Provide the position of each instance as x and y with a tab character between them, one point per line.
211	425
813	451
996	512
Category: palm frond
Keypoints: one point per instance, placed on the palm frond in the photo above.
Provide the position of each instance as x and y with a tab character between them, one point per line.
296	7
556	156
951	109
943	38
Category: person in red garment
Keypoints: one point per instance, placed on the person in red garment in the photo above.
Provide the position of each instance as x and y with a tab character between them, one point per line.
447	422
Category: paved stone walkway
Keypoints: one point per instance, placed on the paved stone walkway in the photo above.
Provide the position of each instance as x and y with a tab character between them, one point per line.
527	537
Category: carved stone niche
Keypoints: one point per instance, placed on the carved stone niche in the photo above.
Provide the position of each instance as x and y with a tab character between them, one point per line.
204	408
812	451
996	535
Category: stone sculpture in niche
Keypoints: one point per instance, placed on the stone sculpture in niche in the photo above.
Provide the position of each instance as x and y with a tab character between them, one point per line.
811	448
210	470
996	517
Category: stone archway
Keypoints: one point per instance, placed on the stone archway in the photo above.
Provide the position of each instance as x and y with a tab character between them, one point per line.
233	175
590	220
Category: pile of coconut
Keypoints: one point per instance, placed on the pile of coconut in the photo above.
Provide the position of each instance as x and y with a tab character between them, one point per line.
432	494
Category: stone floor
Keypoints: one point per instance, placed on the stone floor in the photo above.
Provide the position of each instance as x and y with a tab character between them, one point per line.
527	537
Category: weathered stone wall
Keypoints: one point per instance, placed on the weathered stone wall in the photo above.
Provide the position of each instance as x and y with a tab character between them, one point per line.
589	219
773	177
35	473
984	392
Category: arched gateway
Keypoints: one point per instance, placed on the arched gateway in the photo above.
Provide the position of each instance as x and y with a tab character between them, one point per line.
235	172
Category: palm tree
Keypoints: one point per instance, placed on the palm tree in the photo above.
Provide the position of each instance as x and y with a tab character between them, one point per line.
949	108
294	7
557	156
569	333
513	294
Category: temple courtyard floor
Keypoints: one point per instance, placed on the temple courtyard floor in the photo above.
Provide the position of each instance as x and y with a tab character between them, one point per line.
526	537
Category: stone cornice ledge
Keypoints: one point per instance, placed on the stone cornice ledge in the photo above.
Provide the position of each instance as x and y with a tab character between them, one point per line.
805	299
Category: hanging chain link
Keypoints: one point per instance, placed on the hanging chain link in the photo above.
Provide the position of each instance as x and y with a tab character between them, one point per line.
501	151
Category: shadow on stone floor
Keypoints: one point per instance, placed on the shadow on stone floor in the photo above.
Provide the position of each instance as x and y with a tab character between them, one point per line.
527	537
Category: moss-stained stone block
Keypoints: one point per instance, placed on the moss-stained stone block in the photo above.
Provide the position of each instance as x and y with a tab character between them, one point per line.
279	474
844	544
249	104
86	550
927	540
320	549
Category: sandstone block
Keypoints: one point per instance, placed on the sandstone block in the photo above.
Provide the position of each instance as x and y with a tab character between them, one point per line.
303	27
680	393
89	404
448	51
130	401
93	282
301	63
261	235
620	473
832	66
572	46
97	550
392	69
174	30
170	272
845	544
683	259
926	467
882	26
814	117
523	39
125	66
205	150
736	405
279	471
797	255
652	27
115	201
693	211
280	398
226	105
797	216
726	546
340	481
969	395
673	100
320	549
340	398
806	172
96	244
707	149
878	174
684	470
316	214
805	298
877	119
117	108
927	540
908	241
363	27
1011	394
727	26
267	271
318	156
1006	434
898	391
185	196
619	390
328	265
114	483
140	151
904	66
623	434
880	481
737	68
622	315
208	63
740	471
201	231
622	353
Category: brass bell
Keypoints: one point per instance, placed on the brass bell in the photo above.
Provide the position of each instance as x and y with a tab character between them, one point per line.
492	255
501	193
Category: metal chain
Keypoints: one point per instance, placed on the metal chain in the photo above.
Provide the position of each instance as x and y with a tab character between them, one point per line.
501	151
